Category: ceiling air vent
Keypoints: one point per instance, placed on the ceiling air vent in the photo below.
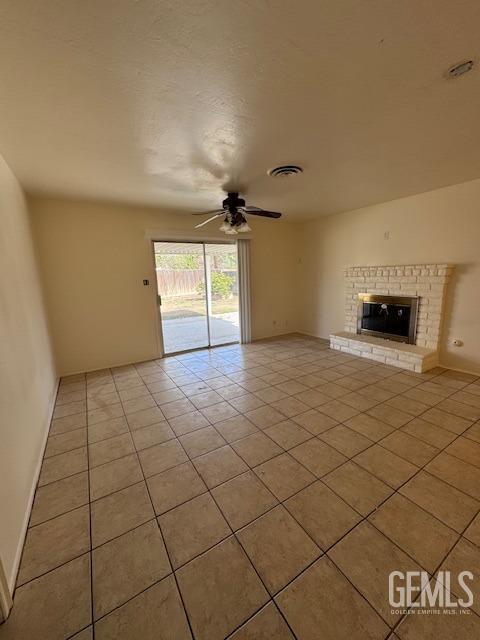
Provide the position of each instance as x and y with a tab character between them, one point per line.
285	170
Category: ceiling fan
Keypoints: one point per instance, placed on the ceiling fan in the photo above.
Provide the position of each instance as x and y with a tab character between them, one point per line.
234	213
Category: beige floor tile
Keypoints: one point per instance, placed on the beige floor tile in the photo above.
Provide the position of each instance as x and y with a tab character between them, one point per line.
292	387
345	440
369	426
409	448
235	428
188	422
359	402
206	399
107	429
317	456
466	450
450	422
108	450
155	614
256	448
161	457
151	435
367	558
102	401
386	466
43	607
247	402
278	548
265	417
415	531
284	476
52	543
472	532
439	627
160	385
177	408
314	421
287	434
465	556
218	412
473	432
114	476
119	512
219	466
175	486
106	413
138	404
446	503
127	565
63	465
391	416
429	433
231	391
59	497
321	603
312	398
170	395
334	391
86	634
215	603
243	499
323	515
267	624
68	423
144	418
65	442
67	397
357	487
473	400
192	528
460	409
290	406
202	441
419	394
270	394
337	410
407	404
459	474
253	385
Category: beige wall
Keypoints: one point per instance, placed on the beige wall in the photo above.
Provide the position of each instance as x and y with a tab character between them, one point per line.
27	376
94	257
438	226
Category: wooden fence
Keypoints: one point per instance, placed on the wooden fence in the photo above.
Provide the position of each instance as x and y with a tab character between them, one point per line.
185	282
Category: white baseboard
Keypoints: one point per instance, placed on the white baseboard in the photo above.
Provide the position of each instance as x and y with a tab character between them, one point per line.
18	555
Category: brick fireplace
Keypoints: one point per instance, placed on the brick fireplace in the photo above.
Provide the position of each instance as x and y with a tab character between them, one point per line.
427	283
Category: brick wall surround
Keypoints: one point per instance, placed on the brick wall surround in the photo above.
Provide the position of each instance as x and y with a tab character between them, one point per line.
427	281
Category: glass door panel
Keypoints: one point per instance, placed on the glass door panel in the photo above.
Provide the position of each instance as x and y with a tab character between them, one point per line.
221	266
180	269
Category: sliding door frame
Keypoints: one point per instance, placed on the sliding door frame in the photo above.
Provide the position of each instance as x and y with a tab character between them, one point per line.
207	305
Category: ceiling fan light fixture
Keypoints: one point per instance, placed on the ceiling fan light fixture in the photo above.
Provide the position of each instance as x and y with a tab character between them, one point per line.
243	228
225	226
231	231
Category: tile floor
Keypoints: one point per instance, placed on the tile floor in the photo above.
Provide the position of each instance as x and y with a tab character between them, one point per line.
255	492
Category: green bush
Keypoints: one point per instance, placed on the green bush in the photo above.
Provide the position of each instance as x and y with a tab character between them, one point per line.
222	284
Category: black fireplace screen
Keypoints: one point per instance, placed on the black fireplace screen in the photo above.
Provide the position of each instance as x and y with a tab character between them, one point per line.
391	317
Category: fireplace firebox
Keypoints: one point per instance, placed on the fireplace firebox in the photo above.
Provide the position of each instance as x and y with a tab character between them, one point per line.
390	317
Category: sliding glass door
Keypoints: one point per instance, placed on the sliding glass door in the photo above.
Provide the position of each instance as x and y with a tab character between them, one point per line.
198	294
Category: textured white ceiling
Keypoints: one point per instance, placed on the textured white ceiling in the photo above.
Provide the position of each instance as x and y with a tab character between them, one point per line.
167	102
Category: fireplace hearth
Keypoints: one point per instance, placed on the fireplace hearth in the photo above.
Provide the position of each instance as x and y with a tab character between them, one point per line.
389	317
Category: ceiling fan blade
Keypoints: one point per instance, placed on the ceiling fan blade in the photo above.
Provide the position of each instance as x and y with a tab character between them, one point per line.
204	213
265	214
197	226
